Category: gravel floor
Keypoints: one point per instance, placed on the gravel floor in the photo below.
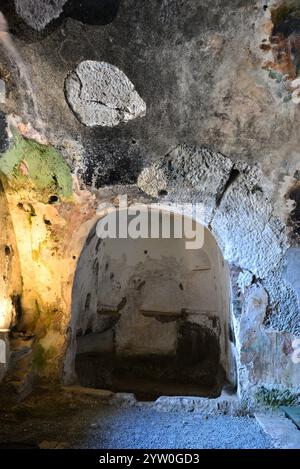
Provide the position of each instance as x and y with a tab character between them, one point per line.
52	418
130	428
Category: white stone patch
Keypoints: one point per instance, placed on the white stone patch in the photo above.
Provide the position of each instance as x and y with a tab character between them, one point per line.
295	83
37	14
100	94
188	174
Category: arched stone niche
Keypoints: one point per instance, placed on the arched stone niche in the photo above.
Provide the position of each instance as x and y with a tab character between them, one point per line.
150	315
238	210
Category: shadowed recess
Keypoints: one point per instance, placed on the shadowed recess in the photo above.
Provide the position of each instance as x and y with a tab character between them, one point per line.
96	12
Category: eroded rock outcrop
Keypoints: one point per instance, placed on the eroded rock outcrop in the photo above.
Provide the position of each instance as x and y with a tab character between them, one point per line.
211	77
38	14
101	94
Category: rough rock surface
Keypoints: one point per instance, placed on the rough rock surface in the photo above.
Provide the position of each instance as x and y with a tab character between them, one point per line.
188	174
101	94
244	281
237	206
38	14
211	79
85	420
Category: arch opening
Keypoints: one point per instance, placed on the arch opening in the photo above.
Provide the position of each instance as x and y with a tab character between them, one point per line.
151	317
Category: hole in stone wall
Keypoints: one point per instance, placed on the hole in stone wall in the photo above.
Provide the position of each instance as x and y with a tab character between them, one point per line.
162	192
87	302
97	12
160	324
265	47
53	199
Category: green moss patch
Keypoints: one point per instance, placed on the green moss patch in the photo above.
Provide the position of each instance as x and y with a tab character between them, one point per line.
30	164
275	397
41	357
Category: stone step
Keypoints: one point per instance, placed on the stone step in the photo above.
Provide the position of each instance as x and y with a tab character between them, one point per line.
292	413
20	354
19	379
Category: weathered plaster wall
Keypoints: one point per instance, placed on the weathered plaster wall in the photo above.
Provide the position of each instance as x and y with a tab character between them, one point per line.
42	202
10	278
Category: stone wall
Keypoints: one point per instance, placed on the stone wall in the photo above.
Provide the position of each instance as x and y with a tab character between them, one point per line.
200	104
